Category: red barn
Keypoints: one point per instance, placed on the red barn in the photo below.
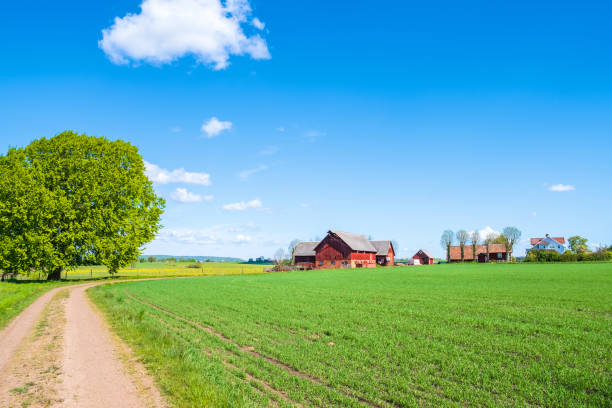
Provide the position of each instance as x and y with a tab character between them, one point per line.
345	250
385	253
423	258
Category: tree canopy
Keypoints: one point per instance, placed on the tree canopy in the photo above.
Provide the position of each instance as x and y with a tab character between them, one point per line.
74	200
578	244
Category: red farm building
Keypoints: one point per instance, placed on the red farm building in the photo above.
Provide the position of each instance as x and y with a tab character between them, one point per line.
422	258
385	253
345	250
497	252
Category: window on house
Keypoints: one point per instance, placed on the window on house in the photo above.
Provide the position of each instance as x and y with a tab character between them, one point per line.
333	262
320	263
499	255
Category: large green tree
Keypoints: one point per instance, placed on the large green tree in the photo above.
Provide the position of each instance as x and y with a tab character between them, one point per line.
578	244
78	200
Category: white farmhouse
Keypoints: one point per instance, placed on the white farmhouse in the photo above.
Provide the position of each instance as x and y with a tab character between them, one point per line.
555	243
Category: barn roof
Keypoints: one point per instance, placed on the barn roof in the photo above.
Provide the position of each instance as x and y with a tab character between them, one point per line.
356	242
305	248
382	247
468	253
427	254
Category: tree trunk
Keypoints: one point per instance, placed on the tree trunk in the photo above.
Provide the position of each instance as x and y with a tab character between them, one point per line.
462	252
474	255
55	275
448	253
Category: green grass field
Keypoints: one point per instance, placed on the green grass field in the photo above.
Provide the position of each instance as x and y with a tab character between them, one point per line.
444	335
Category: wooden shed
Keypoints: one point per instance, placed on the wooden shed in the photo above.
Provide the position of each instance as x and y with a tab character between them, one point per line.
385	253
304	254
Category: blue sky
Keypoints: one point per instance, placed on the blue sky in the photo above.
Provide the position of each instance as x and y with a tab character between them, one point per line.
396	121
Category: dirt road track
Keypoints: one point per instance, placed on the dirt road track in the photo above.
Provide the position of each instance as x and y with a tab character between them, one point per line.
95	367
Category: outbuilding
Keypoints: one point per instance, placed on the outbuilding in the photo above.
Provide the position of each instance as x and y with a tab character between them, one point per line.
385	253
422	257
304	254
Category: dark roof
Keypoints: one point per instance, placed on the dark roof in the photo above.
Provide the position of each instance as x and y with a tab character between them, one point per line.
382	247
305	249
468	253
356	242
427	254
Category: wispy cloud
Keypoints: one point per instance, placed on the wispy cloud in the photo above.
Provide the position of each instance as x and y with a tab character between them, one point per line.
245	174
280	128
242	239
187	237
269	150
243	205
163	176
561	188
165	31
175	129
313	135
213	127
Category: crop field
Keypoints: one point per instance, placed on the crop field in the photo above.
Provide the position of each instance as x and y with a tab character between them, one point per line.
160	269
440	335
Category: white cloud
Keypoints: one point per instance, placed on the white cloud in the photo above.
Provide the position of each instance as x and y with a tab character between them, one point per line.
166	30
280	129
245	174
214	126
242	239
269	150
486	231
187	237
243	205
561	187
183	196
175	129
257	23
163	176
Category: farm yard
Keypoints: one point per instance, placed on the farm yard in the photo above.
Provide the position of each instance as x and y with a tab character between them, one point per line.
450	335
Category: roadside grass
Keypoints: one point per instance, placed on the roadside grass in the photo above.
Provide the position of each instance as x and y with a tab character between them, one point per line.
450	335
17	295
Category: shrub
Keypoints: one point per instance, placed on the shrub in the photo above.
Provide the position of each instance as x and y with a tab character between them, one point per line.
569	256
543	255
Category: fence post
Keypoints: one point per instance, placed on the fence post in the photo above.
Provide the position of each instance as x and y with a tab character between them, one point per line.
90	273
